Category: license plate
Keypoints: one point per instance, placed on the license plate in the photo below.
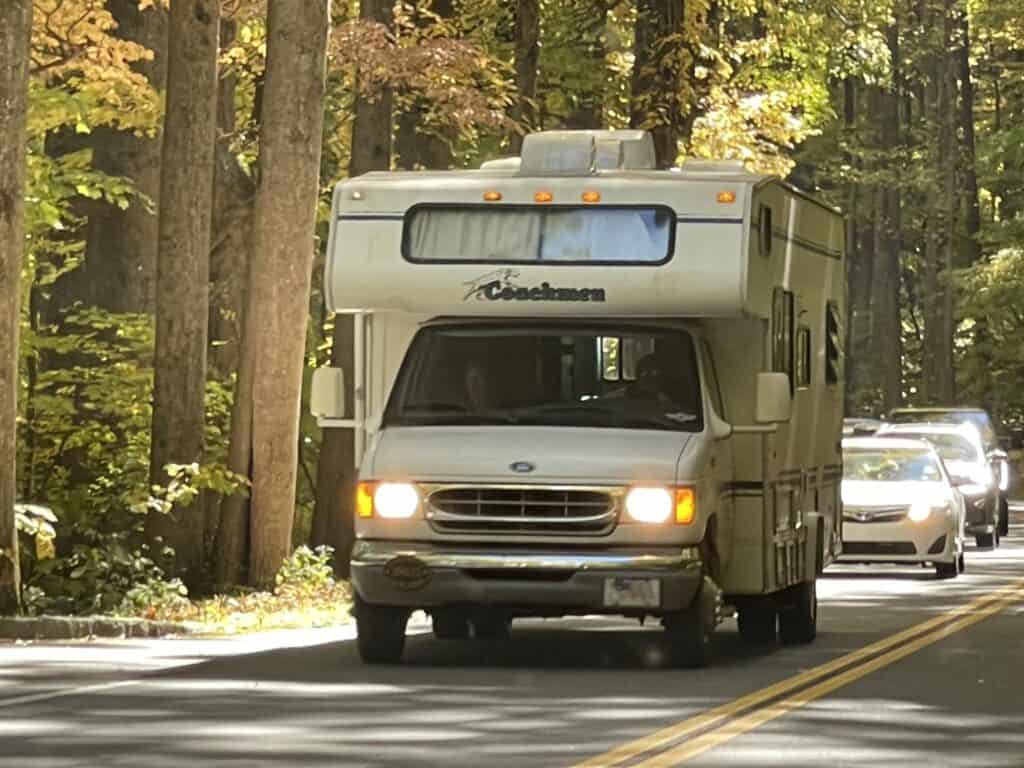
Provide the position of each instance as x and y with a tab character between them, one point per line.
632	593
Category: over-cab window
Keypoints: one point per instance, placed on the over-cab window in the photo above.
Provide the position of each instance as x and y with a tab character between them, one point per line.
783	333
530	234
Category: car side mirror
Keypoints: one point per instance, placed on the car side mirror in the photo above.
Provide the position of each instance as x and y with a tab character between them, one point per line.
327	393
774	402
998	455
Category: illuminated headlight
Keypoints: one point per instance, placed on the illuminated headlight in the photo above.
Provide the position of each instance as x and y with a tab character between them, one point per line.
649	505
1004	475
981	475
920	512
395	500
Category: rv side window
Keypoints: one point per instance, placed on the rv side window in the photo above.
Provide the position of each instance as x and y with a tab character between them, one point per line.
711	375
803	358
766	230
783	339
523	234
833	345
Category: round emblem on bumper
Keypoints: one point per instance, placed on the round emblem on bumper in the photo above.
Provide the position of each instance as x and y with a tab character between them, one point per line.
408	573
522	467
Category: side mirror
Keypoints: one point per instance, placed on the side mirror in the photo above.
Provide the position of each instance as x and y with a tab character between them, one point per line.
998	455
327	393
774	403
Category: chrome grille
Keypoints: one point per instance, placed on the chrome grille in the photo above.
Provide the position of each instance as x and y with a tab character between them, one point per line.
892	514
522	509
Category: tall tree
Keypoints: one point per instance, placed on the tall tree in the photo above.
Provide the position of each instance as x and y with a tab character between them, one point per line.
417	143
183	267
119	271
527	58
886	297
654	102
286	204
15	30
970	250
335	493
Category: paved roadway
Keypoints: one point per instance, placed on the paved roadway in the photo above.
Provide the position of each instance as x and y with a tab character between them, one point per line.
949	693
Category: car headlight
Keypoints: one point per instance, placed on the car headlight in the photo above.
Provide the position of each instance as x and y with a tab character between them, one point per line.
393	501
920	512
649	505
1004	475
657	505
981	475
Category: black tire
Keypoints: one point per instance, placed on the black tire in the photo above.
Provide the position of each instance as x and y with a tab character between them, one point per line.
947	570
690	632
1004	517
961	563
491	626
798	614
449	625
758	621
985	540
380	633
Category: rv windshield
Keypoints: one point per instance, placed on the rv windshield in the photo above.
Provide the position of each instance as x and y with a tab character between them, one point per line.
608	377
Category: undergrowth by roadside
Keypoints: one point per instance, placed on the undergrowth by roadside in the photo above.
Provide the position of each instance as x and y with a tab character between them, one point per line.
306	595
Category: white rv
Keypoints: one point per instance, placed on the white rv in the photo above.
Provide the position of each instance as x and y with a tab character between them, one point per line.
586	386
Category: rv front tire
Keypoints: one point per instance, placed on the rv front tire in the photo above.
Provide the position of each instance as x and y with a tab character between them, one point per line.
689	632
380	632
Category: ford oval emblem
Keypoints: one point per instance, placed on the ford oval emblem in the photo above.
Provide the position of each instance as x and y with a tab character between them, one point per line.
523	467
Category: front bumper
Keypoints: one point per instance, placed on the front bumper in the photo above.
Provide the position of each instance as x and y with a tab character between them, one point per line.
420	575
932	540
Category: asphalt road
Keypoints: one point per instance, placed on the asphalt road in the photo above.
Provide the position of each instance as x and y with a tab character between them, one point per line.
557	693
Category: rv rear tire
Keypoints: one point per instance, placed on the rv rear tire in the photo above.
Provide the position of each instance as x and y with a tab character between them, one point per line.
798	613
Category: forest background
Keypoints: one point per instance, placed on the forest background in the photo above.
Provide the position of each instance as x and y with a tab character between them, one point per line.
174	163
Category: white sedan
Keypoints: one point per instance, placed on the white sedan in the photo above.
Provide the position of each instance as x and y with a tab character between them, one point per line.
899	505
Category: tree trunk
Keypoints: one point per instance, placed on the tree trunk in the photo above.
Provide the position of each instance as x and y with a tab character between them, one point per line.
941	204
970	250
654	103
588	102
15	29
417	145
527	57
183	269
335	493
286	203
887	273
230	256
234	194
119	271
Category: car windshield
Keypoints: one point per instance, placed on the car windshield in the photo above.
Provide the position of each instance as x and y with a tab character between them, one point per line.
541	375
890	466
949	447
979	419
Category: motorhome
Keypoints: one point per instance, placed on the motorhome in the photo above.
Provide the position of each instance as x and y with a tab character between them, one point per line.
585	385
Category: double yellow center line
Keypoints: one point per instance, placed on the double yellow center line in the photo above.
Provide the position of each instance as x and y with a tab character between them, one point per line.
768	704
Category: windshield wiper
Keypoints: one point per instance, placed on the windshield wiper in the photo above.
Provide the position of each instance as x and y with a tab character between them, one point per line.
435	406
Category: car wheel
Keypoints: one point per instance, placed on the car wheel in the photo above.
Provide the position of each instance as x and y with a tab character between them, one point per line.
380	631
449	625
1004	517
985	540
758	620
947	570
961	563
798	614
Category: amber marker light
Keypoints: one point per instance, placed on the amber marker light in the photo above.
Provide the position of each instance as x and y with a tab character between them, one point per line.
543	197
726	197
492	197
591	197
686	505
364	500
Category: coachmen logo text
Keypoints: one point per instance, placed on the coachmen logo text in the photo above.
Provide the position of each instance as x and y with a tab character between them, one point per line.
501	285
